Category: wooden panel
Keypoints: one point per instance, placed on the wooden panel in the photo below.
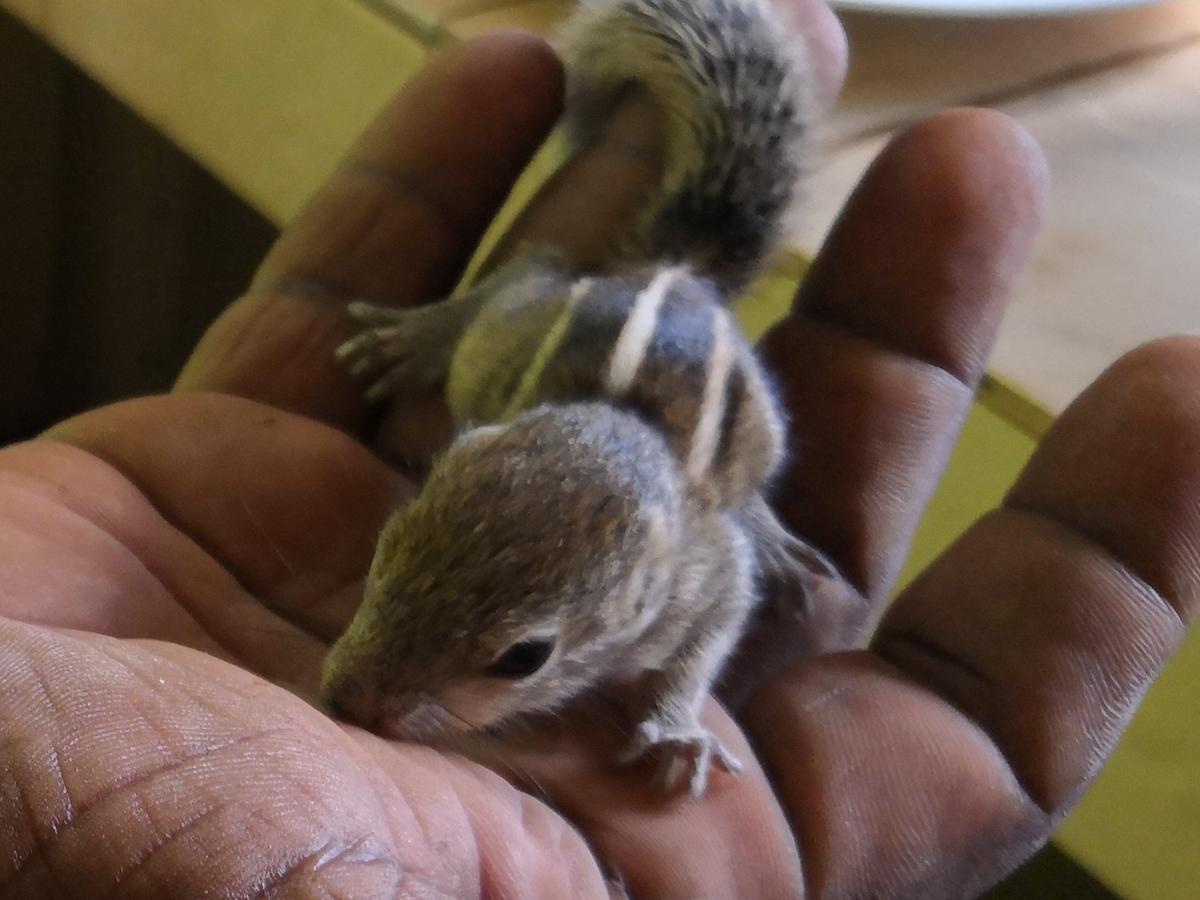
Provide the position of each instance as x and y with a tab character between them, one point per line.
117	249
437	20
150	248
541	16
30	87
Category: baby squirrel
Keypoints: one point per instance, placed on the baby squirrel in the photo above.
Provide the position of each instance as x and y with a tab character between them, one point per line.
599	519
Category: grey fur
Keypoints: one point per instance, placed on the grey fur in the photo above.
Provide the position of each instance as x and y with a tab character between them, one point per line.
616	429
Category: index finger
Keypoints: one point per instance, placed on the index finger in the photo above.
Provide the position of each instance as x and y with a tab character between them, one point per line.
395	224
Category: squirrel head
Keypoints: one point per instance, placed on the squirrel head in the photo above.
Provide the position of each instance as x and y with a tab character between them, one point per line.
536	552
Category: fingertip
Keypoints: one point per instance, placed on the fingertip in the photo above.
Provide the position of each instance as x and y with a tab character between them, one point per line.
973	179
1156	385
931	242
479	83
512	61
1122	466
1142	413
978	166
1169	366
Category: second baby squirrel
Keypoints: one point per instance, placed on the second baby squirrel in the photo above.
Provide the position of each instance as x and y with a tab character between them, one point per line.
599	519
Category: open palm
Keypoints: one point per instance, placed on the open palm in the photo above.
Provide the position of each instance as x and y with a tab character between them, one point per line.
172	569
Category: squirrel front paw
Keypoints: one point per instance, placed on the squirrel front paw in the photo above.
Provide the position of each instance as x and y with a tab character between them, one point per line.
687	749
400	347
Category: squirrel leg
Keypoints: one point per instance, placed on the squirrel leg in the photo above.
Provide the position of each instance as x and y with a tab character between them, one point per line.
779	552
672	696
671	727
410	350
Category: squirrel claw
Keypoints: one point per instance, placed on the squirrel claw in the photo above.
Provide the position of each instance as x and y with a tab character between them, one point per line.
395	348
370	314
689	750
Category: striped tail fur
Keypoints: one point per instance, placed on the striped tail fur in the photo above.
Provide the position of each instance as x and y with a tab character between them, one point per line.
734	89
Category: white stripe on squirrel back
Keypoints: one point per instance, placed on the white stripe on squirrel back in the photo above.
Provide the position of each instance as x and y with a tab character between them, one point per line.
712	402
638	332
527	387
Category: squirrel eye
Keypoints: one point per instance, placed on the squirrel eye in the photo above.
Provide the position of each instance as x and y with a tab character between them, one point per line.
522	659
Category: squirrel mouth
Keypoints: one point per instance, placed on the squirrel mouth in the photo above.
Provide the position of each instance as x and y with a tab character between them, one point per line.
416	717
422	720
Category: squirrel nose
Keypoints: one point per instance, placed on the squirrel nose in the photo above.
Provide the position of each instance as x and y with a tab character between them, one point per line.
335	704
347	697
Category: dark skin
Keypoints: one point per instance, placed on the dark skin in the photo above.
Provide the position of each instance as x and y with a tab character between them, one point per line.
172	569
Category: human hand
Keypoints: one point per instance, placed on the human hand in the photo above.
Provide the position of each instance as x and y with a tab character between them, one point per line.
171	567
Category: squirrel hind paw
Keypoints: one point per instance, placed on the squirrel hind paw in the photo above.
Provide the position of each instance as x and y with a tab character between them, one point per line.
684	752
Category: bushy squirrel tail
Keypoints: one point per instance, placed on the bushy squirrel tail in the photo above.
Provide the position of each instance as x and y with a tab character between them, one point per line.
735	91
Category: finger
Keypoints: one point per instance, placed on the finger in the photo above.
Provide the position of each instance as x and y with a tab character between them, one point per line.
151	770
592	201
145	769
395	224
879	359
1002	679
289	507
54	497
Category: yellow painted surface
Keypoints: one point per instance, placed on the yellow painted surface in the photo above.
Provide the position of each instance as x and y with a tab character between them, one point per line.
267	94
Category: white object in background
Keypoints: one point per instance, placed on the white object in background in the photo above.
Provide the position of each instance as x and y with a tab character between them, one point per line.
983	7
